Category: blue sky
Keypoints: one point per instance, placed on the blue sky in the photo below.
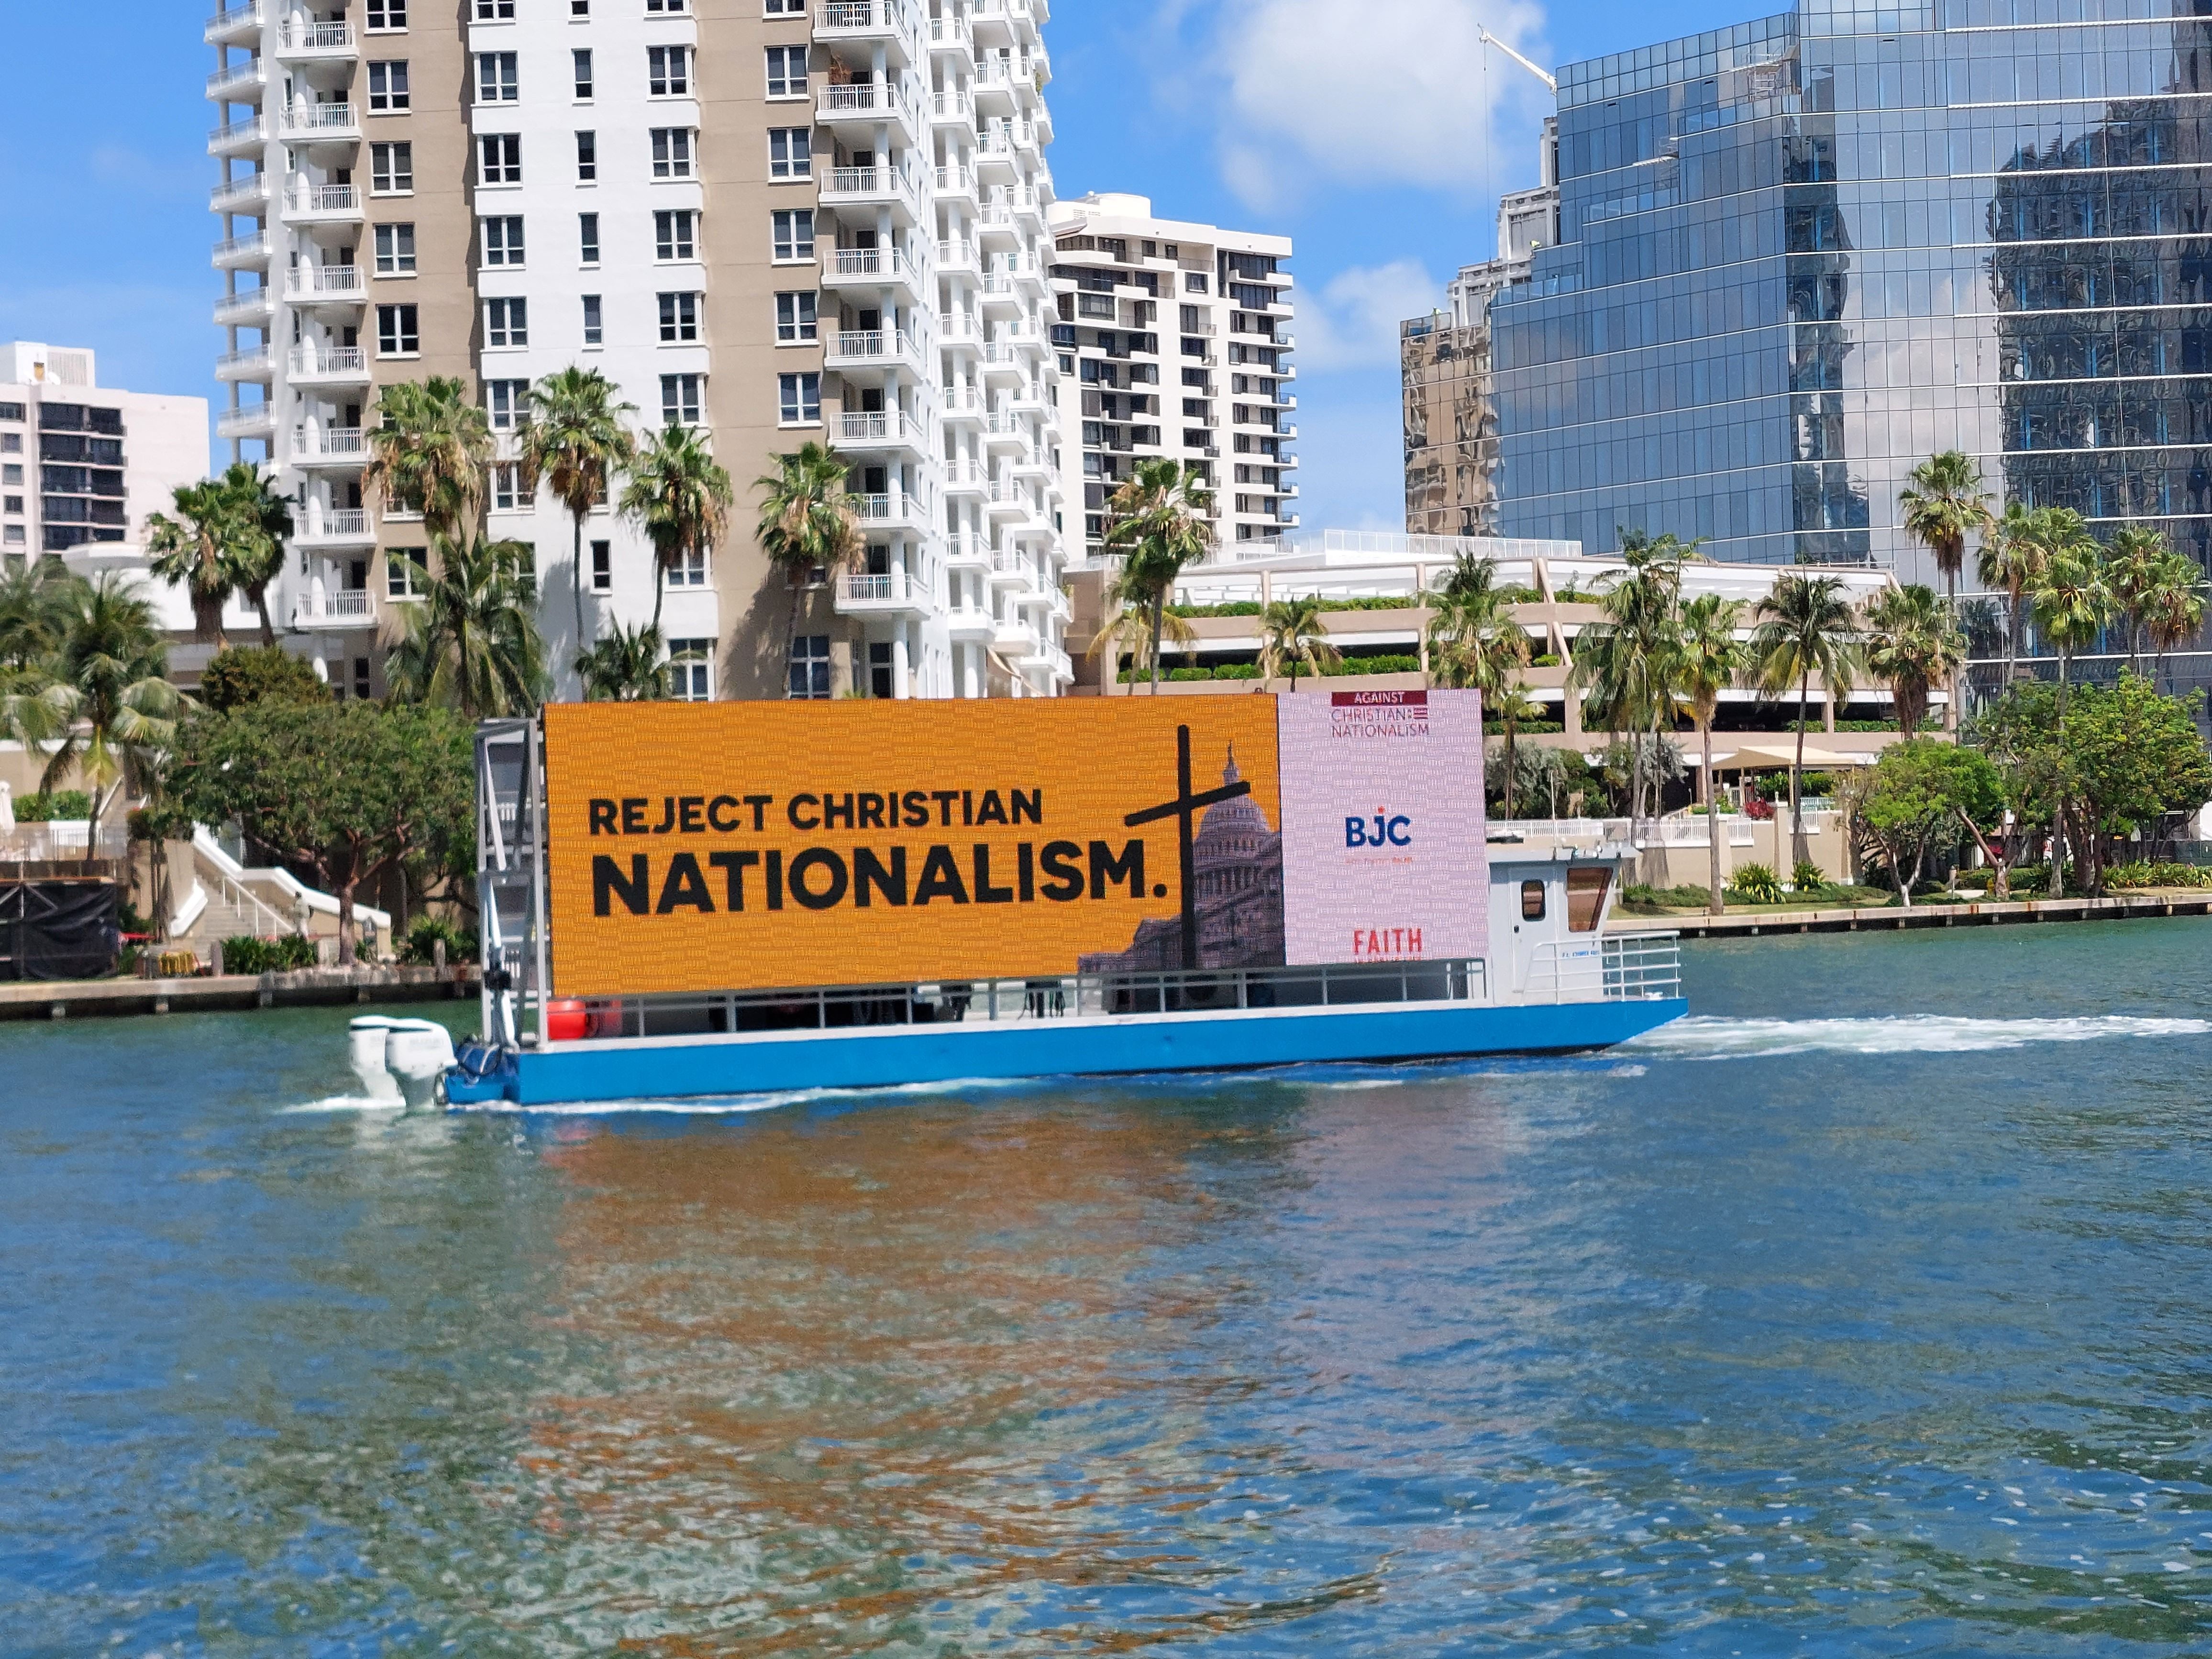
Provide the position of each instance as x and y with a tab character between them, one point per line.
1368	131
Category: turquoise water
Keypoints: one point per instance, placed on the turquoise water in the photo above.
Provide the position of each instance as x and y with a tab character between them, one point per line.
1864	1315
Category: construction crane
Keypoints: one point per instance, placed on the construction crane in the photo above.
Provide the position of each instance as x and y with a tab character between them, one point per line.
1490	39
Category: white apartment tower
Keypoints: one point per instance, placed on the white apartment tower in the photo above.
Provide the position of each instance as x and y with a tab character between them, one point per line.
1174	342
780	222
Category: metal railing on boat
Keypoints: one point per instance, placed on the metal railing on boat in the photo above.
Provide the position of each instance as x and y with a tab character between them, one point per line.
1610	968
1071	996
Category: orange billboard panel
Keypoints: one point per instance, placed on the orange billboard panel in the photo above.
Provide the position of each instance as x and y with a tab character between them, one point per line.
756	846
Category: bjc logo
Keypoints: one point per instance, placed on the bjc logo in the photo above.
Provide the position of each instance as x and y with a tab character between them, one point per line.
1381	830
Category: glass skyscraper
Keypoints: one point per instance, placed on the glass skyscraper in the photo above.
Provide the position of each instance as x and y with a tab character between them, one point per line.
1799	255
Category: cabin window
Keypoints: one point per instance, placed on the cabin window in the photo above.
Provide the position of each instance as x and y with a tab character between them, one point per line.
1586	887
1532	901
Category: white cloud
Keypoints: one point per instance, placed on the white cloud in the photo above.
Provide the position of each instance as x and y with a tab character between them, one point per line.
1351	322
1388	92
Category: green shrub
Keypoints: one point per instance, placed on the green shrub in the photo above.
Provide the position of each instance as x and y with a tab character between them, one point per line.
1684	897
1391	664
2142	873
1236	671
63	805
255	673
1807	877
423	934
1756	883
1187	675
246	954
1526	729
1549	660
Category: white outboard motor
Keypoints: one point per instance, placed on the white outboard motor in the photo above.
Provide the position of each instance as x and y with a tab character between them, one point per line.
365	1043
416	1054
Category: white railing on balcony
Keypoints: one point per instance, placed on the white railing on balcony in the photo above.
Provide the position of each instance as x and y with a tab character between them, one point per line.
252	190
954	106
233	246
296	35
331	443
244	422
237	18
955	181
337	524
319	117
850	343
856	16
346	605
871	262
336	280
964	400
323	198
1011	561
871	509
235	132
956	255
878	427
246	305
249	73
957	328
307	361
964	472
887	585
870	181
64	840
951	32
862	98
251	357
967	546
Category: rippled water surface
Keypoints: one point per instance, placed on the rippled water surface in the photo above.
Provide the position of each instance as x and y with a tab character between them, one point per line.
1866	1313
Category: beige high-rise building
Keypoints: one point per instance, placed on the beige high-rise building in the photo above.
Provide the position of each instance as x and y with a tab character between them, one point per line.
777	220
1174	342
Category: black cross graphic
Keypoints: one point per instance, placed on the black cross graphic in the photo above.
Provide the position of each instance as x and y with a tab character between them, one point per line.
1186	808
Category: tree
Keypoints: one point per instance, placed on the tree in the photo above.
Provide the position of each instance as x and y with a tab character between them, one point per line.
1290	634
1943	504
200	547
430	453
2011	558
339	791
2173	608
2133	561
1160	521
808	521
2072	597
682	499
1475	642
264	525
625	665
245	674
34	611
112	708
2019	733
1128	624
2133	758
1709	659
1912	646
1626	661
1921	796
472	642
1805	627
572	436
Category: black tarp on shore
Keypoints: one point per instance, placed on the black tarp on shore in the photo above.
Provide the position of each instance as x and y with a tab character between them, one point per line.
52	930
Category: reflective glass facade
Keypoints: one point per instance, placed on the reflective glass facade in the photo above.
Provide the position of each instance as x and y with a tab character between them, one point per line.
1799	255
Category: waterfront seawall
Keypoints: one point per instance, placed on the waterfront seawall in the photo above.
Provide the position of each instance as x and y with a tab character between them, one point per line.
72	999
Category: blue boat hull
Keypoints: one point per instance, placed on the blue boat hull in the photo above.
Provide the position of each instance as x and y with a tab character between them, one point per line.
678	1067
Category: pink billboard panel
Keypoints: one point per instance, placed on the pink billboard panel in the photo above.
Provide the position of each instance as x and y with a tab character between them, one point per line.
1383	852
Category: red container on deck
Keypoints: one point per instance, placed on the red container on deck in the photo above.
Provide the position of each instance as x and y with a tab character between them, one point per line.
565	1019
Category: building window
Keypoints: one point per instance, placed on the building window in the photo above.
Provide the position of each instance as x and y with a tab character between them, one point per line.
502	239
581	59
507	493
392	169
671	234
587	237
386	16
679	399
495	78
670	8
602	568
679	318
588	157
794	319
786	8
799	401
787	71
790	153
579	9
387	87
668	71
688	569
672	152
502	157
495	11
1193	282
690	670
396	332
594	329
395	250
791	235
507	322
810	666
506	403
406	572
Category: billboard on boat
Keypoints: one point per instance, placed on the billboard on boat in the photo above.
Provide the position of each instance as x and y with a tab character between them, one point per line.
758	845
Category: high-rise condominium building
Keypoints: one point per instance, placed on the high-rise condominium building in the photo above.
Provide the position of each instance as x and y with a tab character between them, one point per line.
780	221
1800	254
1174	342
82	465
1443	359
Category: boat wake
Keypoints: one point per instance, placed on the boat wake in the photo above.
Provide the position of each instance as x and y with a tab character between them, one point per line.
344	1103
1711	1038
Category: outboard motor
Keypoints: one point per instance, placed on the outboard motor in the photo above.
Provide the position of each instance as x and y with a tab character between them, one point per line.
365	1044
416	1054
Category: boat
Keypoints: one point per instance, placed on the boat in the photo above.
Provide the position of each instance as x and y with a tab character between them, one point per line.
671	896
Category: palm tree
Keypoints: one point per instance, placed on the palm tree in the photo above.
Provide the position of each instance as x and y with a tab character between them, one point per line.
430	453
114	709
2173	608
1161	520
625	665
265	524
1943	504
199	549
1474	642
1625	662
33	603
2011	556
1707	660
1128	625
682	499
1805	627
1912	646
808	521
573	437
2134	559
1289	635
2073	600
472	643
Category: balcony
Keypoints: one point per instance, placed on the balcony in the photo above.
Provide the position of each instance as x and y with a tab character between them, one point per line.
239	84
971	625
247	421
870	268
1001	362
963	404
1013	637
1005	499
966	477
966	550
237	138
871	429
336	527
243	252
951	34
952	109
864	102
254	363
1005	430
955	258
311	205
317	285
859	349
887	593
895	511
299	41
955	183
872	187
320	124
331	446
1051	659
328	366
228	27
250	307
959	332
248	196
868	22
350	607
